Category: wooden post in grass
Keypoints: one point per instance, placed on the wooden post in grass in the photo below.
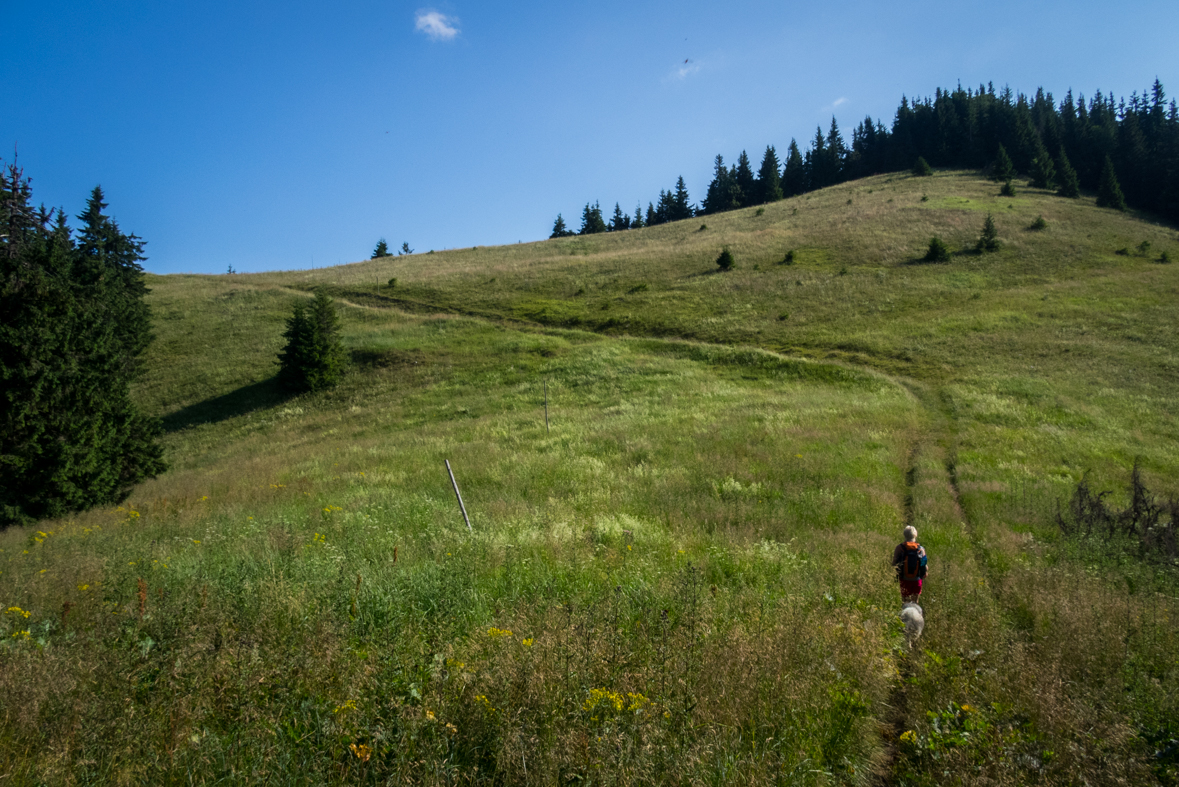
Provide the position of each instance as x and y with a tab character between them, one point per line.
462	507
546	406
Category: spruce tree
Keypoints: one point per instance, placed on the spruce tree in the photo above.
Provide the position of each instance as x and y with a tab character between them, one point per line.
1109	193
937	251
922	169
591	219
559	228
665	208
794	180
681	206
636	221
818	168
382	249
836	153
314	357
725	260
769	184
74	329
1043	170
620	220
1002	169
743	177
989	239
723	193
1070	186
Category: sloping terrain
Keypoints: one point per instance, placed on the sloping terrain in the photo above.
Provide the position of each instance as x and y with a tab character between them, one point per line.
683	575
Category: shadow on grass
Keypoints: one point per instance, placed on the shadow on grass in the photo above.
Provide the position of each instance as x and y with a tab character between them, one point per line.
953	255
247	399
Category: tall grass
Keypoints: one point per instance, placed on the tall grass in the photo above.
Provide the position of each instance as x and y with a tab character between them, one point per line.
686	580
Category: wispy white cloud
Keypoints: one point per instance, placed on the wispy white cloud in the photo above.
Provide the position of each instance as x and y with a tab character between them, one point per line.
436	25
839	101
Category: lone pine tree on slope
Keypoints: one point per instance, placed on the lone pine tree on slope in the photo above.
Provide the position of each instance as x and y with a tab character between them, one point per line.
314	357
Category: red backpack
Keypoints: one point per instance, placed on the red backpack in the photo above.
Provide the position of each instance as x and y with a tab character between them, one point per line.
912	565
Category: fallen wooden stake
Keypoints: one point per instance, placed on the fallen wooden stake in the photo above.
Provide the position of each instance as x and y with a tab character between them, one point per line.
457	494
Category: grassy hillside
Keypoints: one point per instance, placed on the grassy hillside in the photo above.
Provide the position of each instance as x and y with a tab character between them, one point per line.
684	576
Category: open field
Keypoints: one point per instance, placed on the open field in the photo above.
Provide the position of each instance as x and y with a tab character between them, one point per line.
684	578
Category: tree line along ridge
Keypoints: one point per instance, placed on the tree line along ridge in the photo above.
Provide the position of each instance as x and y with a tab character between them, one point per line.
1125	151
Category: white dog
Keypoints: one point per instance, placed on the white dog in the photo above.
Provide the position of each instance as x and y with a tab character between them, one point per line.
914	619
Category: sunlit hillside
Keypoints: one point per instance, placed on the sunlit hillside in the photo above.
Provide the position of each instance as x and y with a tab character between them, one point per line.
684	488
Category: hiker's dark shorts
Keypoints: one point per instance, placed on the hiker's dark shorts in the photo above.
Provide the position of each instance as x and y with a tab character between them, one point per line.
910	587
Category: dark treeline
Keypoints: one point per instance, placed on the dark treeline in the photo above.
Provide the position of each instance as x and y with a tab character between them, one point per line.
1103	145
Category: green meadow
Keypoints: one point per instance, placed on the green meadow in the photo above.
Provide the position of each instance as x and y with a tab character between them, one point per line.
684	487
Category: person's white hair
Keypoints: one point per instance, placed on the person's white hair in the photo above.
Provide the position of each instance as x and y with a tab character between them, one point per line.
910	533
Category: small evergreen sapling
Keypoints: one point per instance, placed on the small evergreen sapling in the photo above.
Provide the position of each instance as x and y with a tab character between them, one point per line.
989	239
382	249
1008	190
725	260
922	169
938	251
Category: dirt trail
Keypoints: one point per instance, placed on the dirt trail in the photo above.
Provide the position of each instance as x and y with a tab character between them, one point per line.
896	719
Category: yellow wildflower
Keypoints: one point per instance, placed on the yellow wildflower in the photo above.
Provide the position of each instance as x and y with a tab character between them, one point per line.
527	642
17	611
495	633
361	751
909	738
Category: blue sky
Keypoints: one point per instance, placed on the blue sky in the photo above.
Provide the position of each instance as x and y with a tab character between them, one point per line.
279	135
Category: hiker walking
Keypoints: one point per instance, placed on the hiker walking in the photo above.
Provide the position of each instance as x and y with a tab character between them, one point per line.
910	563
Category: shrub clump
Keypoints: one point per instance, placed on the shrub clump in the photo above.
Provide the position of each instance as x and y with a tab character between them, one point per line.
1008	190
1038	224
725	260
938	251
789	258
1149	527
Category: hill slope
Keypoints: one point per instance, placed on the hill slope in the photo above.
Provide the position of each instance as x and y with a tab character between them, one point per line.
683	577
